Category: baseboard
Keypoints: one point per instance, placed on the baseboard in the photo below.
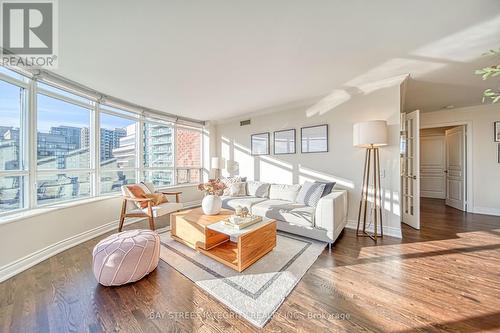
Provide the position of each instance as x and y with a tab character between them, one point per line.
486	211
22	264
389	231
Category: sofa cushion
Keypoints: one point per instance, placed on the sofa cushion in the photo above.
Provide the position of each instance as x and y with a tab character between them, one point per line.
310	193
228	182
328	187
237	189
258	189
287	211
284	192
150	186
233	202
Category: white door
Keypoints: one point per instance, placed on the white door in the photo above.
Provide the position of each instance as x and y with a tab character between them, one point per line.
433	166
455	167
410	169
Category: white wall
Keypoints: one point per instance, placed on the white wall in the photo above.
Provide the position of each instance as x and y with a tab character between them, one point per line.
27	241
485	166
343	163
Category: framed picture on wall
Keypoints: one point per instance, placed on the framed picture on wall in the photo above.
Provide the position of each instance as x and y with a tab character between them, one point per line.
314	139
284	142
496	130
260	144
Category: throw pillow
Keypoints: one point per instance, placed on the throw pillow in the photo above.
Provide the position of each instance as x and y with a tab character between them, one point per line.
150	186
158	198
258	189
283	192
137	192
328	187
310	193
228	181
237	190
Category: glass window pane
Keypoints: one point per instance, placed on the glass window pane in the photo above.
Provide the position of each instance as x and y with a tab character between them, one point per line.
194	175
159	178
11	193
188	148
111	181
185	176
118	143
158	145
63	134
182	176
11	106
11	73
62	186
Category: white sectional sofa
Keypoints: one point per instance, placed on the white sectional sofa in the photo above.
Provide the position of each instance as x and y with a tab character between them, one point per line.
324	221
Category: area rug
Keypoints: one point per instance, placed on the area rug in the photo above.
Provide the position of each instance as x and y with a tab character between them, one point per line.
257	292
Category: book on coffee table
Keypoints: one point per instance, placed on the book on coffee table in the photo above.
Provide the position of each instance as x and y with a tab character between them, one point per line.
239	223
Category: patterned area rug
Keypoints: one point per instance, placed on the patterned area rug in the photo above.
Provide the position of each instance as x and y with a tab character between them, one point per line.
257	292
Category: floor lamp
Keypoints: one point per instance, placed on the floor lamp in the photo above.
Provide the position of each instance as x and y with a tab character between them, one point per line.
370	135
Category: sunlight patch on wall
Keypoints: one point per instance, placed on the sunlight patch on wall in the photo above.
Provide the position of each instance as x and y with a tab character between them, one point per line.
225	152
312	175
245	161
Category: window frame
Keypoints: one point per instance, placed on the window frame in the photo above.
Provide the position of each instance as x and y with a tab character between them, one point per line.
23	171
142	167
130	116
35	171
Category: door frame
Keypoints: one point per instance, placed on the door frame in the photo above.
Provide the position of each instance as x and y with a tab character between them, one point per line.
469	153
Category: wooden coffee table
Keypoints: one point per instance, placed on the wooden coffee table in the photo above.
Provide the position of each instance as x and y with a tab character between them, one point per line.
237	249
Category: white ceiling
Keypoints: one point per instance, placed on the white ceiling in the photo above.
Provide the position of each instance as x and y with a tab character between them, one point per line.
216	59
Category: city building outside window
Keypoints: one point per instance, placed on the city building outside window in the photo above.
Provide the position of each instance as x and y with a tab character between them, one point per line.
158	153
63	150
118	151
188	155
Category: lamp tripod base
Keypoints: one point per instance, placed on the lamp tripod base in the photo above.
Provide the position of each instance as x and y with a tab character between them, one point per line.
372	161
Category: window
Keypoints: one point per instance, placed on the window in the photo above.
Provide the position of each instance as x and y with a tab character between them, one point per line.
58	144
158	153
188	155
13	173
118	151
63	149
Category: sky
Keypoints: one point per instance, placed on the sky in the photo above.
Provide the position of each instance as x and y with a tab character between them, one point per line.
51	112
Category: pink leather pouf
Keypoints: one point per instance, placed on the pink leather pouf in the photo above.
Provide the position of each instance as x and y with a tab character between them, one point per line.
126	257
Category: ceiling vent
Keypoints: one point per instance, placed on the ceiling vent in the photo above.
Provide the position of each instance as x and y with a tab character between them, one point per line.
245	122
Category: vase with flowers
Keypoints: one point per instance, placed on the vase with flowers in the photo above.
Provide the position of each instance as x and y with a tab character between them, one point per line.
212	203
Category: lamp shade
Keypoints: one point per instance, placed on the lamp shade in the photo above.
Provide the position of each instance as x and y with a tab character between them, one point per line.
370	134
217	163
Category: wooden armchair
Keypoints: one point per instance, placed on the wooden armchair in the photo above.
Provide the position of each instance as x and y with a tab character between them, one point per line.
150	212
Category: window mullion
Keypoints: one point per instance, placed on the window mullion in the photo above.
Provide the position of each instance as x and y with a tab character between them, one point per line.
32	144
140	150
95	135
174	155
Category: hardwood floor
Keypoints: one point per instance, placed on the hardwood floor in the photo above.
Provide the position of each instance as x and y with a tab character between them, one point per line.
442	278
